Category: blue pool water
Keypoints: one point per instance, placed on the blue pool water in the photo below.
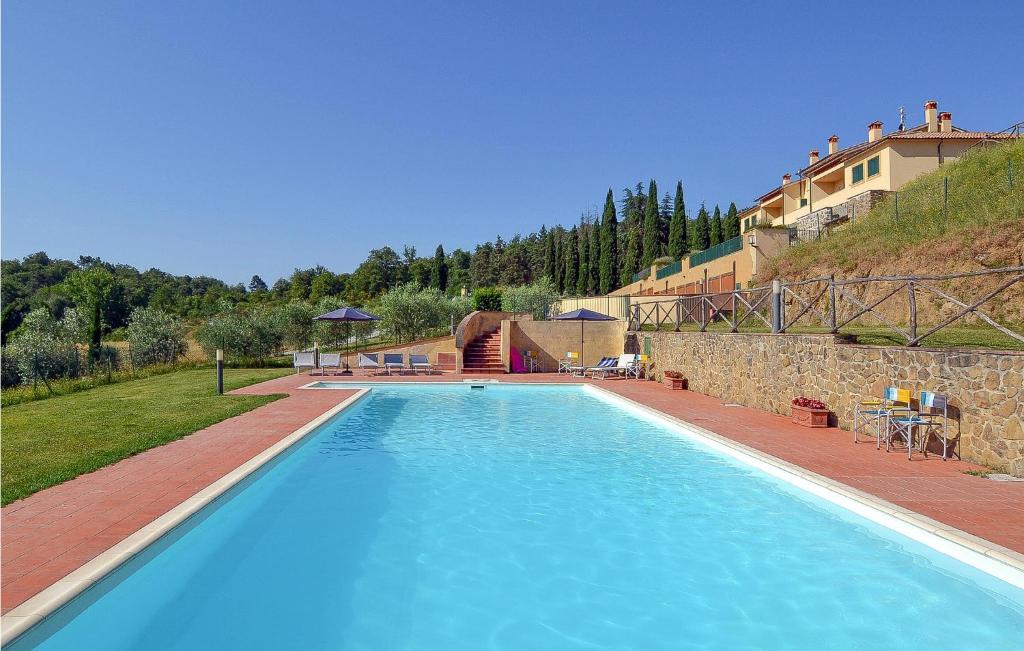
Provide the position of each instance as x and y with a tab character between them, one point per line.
439	517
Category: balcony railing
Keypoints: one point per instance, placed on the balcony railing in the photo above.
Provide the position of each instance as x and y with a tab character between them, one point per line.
717	251
669	269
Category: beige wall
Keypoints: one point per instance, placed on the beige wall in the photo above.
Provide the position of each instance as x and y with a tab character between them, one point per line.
552	339
767	371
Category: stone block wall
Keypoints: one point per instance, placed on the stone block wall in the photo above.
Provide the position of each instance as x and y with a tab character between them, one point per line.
985	389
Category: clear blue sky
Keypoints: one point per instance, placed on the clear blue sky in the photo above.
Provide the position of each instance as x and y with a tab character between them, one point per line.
233	138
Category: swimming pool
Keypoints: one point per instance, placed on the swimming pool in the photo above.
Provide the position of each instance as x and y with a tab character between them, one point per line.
524	517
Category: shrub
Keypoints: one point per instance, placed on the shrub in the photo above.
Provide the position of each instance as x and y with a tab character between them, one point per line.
45	348
487	298
10	374
535	298
154	337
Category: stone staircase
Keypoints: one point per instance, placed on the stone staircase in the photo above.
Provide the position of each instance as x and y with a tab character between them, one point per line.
483	354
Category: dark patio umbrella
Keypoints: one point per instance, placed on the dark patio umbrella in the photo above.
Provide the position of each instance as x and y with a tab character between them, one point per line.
583	315
347	315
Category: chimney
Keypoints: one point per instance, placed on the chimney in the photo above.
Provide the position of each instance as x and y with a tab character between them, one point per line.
833	144
812	157
874	131
785	178
931	109
945	121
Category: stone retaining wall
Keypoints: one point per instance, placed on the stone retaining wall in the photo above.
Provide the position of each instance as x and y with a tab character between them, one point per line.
985	389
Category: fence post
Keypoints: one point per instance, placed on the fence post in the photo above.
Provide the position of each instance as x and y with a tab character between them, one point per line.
912	299
896	201
679	312
1009	172
945	197
776	306
833	318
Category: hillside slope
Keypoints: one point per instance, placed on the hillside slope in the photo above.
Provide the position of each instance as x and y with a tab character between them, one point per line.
966	216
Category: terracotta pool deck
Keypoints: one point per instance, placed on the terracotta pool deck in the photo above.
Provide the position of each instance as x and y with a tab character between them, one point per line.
53	532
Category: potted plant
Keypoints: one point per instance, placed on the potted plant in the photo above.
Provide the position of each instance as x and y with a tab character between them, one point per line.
674	380
809	412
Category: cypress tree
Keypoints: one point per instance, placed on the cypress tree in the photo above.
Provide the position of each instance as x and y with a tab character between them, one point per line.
593	278
549	255
571	251
634	250
559	257
584	257
702	230
716	227
664	222
609	273
732	222
439	270
678	240
650	232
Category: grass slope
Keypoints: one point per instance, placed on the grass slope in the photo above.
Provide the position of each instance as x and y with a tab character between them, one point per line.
50	441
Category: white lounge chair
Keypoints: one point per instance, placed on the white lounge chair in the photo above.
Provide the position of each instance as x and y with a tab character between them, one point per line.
421	363
627	365
368	363
330	361
393	362
303	360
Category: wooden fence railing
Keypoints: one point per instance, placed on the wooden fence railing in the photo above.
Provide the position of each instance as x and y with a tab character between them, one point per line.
832	304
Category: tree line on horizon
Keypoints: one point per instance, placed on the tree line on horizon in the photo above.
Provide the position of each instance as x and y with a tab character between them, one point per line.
592	257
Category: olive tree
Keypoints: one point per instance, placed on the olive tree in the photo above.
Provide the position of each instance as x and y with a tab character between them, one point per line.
154	337
535	298
46	348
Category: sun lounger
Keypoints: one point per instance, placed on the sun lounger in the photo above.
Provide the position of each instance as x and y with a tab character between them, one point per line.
606	362
368	363
626	365
330	361
393	362
303	360
421	363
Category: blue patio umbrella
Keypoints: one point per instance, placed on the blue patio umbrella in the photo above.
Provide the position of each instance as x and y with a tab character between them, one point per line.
582	315
347	315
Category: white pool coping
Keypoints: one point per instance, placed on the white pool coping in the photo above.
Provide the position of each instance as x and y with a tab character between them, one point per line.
45	603
984	555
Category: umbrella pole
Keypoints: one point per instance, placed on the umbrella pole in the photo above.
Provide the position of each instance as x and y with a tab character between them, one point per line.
582	363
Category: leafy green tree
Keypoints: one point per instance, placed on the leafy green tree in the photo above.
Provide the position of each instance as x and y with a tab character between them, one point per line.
381	270
419	271
324	285
458	271
571	252
702	230
514	264
716	227
92	290
439	271
678	238
609	262
651	246
732	222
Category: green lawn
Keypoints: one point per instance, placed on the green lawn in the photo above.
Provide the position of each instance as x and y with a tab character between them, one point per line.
47	442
